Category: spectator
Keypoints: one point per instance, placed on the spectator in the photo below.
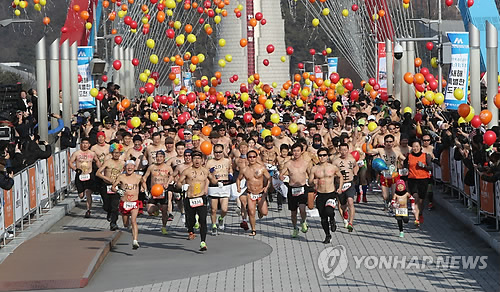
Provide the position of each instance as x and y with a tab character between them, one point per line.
6	181
32	151
22	102
68	139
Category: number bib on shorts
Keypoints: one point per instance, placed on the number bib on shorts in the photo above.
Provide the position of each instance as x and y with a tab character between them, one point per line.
403	172
84	177
195	202
402	212
129	205
346	186
297	191
108	190
255	197
331	203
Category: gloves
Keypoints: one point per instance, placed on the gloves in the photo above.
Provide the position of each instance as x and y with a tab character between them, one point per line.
78	171
144	162
120	192
212	170
394	204
185	187
220	184
148	195
421	164
412	200
368	138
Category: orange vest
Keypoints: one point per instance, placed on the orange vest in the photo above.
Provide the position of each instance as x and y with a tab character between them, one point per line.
413	170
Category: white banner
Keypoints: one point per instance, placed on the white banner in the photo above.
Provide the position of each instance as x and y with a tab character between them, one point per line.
63	167
42	182
57	171
332	65
459	69
72	173
2	202
497	198
25	180
85	54
18	198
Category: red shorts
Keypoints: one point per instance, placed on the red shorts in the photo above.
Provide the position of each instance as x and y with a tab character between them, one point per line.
126	207
388	182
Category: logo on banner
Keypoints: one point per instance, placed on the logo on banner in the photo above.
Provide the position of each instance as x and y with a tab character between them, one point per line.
458	41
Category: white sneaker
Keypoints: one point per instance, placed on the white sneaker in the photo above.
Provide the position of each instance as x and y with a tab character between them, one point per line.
135	244
183	218
346	223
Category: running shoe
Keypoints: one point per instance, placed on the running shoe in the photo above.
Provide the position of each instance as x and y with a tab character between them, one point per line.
203	246
221	223
350	228
295	232
305	227
135	244
197	224
170	217
87	214
164	231
364	199
214	229
191	236
417	223
328	239
156	213
358	198
280	207
346	223
421	218
333	226
430	206
401	234
244	225
183	218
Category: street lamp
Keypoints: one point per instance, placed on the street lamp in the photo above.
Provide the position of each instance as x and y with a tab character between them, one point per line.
6	22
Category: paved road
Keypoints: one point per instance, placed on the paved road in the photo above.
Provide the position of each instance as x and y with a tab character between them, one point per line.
273	261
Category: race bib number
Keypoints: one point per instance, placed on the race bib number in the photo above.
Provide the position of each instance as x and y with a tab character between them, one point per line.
195	202
129	205
402	212
84	177
361	163
297	191
346	186
197	188
331	203
403	172
255	197
387	173
109	190
162	196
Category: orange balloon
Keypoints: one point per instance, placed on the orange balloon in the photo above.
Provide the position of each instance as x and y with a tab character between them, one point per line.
112	16
243	43
366	145
192	105
305	75
408	78
124	7
252	22
444	83
114	31
46	20
262	99
419	78
85	15
312	77
197	83
218	74
286	86
319	81
186	56
119	107
224	101
320	102
202	96
373	94
256	76
144	7
224	13
463	110
485	116
209	31
297	77
406	1
418	62
187	6
76	8
322	88
157	190
126	103
130	1
497	100
195	60
259	109
206	130
166	59
276	131
426	102
206	147
172	76
195	5
179	61
188	28
160	16
381	13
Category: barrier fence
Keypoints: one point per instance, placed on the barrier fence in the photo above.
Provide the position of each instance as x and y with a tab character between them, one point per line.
483	196
35	189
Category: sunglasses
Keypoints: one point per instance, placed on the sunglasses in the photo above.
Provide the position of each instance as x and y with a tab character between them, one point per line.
251	156
427	140
218	152
322	155
389	141
392	129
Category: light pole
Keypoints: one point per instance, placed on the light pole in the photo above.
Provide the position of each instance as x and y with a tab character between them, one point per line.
6	22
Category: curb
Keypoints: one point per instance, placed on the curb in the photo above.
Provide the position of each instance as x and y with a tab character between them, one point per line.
99	258
42	225
467	222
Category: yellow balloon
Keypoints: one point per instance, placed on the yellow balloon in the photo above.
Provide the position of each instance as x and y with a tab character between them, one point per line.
133	30
299	103
328	50
293	128
43	2
222	42
206	88
143	77
222	63
283	94
150	43
201	58
218	10
229	114
327	83
229	58
192	67
305	92
345	12
325	11
434	62
244	97
17	12
372	126
191	38
88	25
275	118
122	13
94	92
406	5
274	84
146	12
240	8
153	117
315	22
340	89
177	81
150	99
269	104
16	2
147	72
283	59
287	102
458	93
23	4
152	81
170	4
153	59
38	7
461	121
407	110
471	115
135	121
429	95
265	133
368	87
179	39
217	19
177	24
335	106
439	98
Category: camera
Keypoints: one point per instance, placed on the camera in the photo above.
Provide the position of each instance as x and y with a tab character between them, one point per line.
398	51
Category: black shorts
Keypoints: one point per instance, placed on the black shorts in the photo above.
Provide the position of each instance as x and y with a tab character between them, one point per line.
321	200
418	186
349	193
295	201
81	186
162	201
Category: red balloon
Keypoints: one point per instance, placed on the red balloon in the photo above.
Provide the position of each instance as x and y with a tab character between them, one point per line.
321	109
155	105
424	71
129	124
247	117
270	49
212	99
104	78
64	29
180	133
418	117
372	81
170	33
354	95
133	25
384	96
470	3
312	52
135	62
142	90
149	87
476	121
117	64
170	100
420	87
324	53
448	2
301	65
231	80
158	99
429	46
376	87
191	97
433	84
263	21
238	14
165	115
289	50
80	78
334	77
100	96
127	20
118	40
349	86
318	116
489	137
163	99
235	77
183	99
266	63
258	16
354	7
181	119
355	154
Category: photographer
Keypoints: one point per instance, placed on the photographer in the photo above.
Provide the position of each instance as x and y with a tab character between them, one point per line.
6	181
32	151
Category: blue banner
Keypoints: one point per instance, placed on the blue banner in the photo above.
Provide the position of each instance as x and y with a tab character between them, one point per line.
332	65
97	17
459	69
478	14
84	56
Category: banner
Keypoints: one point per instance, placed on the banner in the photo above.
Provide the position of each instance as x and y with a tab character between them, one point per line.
51	173
332	65
2	228
85	54
33	188
382	68
318	72
25	191
57	172
187	81
18	198
497	198
459	69
8	208
41	179
63	168
177	71
487	196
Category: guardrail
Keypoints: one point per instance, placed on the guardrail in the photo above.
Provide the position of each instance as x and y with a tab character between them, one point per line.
483	196
35	190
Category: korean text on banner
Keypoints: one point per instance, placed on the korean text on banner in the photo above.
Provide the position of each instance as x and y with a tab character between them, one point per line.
318	72
187	81
43	184
332	65
177	71
487	196
25	191
459	69
63	168
382	68
51	172
85	54
18	198
8	208
33	187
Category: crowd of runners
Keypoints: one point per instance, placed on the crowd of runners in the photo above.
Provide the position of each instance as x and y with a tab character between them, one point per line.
312	161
